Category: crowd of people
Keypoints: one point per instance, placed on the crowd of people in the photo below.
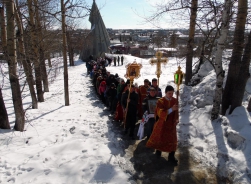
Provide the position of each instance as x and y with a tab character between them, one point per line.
129	102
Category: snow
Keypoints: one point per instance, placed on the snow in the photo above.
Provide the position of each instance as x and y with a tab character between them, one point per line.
75	144
165	49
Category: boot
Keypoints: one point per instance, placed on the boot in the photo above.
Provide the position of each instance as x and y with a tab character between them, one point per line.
158	153
171	157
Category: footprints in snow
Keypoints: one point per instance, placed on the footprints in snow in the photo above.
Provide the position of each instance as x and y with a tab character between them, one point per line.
12	172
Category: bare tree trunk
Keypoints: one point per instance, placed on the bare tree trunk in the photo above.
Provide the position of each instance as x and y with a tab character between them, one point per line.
49	60
4	120
190	43
202	55
70	49
12	62
26	65
220	73
3	30
66	86
235	63
243	76
34	55
47	52
40	43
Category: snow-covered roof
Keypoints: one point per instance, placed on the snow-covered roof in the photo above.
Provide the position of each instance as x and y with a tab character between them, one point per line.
166	49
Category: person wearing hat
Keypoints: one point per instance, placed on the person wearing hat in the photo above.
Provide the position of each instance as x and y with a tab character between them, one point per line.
151	99
164	135
131	115
142	95
155	85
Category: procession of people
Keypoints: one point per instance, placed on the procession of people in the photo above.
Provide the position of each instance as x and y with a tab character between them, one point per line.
128	103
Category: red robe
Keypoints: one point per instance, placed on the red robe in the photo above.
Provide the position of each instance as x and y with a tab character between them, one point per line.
164	135
119	113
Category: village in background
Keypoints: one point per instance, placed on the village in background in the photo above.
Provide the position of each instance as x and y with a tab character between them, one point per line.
141	43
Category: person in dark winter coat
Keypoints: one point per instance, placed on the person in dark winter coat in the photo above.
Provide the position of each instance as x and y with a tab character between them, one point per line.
145	106
131	115
111	95
88	66
122	60
114	61
111	79
118	60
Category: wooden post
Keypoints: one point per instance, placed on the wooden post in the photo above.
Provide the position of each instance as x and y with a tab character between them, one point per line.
131	82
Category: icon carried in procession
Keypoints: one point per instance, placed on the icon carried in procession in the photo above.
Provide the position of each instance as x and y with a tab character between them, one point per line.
152	105
132	72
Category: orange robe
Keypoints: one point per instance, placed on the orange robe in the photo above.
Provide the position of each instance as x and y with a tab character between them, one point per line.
164	135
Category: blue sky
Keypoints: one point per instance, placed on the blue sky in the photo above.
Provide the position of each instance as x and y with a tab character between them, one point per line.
122	14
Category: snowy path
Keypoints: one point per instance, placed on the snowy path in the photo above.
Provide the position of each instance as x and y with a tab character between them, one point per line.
63	144
80	144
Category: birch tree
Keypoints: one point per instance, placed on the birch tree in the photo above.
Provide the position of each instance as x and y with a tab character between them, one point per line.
66	85
12	63
217	61
35	56
40	44
4	120
27	66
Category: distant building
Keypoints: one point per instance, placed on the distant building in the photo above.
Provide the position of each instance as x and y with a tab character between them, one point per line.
149	53
119	49
167	52
136	49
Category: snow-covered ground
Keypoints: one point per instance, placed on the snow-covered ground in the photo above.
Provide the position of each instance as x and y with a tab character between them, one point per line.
74	144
